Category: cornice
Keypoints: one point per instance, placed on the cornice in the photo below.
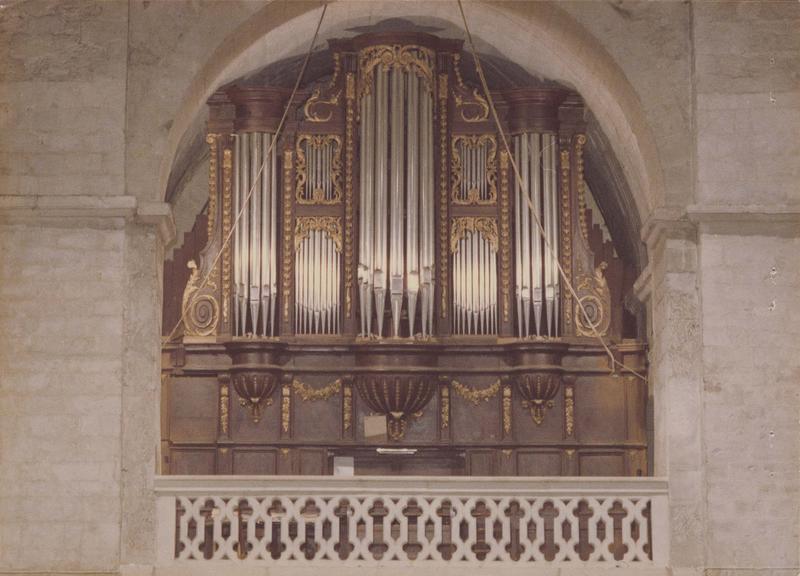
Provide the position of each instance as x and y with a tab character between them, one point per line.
766	219
87	208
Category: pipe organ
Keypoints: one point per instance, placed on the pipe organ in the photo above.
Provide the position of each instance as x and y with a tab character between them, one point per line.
380	259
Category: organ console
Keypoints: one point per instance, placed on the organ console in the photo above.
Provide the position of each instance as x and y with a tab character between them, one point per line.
380	258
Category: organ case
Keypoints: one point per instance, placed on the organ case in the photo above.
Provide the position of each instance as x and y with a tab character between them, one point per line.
379	258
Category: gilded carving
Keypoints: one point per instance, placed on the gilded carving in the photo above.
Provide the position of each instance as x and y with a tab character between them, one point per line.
593	309
286	407
200	312
211	140
224	395
307	393
478	104
445	406
350	84
443	273
569	411
487	227
408	57
331	225
319	143
316	99
505	236
476	395
470	143
287	232
347	406
566	237
506	411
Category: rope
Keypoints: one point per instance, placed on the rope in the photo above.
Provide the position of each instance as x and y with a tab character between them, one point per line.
548	246
227	240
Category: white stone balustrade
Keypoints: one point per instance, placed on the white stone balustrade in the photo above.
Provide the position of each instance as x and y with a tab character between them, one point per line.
387	521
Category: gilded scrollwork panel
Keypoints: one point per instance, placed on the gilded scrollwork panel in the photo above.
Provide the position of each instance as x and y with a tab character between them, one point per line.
473	173
318	169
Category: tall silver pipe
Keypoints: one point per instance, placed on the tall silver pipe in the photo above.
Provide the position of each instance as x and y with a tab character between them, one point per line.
381	276
370	205
526	235
536	193
264	216
273	244
518	239
551	179
237	237
412	198
396	261
426	212
244	224
549	227
255	229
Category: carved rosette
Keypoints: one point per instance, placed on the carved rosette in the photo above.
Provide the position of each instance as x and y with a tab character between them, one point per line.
397	396
538	391
593	309
255	390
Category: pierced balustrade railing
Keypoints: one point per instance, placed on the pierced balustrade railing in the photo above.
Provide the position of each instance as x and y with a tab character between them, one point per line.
326	520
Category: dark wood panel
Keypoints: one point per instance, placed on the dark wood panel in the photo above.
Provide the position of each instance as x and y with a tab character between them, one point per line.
193	403
536	463
255	461
602	464
191	462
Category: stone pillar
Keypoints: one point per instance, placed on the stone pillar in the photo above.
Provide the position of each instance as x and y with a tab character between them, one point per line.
676	380
145	239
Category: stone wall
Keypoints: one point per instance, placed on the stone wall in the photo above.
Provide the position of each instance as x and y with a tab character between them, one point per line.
700	101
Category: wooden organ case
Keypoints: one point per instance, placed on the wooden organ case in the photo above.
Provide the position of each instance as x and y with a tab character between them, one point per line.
386	293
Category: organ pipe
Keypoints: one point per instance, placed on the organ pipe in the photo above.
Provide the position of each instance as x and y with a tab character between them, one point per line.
536	268
397	242
475	277
255	239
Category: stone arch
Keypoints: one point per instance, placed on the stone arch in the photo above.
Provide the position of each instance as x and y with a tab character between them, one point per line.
538	36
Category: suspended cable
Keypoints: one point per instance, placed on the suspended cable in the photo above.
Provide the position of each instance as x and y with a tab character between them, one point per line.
518	177
247	197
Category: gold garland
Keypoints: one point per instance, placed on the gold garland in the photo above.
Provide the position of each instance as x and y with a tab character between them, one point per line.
307	393
475	395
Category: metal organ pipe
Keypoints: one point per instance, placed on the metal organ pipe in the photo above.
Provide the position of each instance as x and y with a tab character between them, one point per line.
396	223
412	199
535	190
535	266
397	241
255	250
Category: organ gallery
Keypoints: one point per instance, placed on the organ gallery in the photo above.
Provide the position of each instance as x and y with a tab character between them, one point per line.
389	277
